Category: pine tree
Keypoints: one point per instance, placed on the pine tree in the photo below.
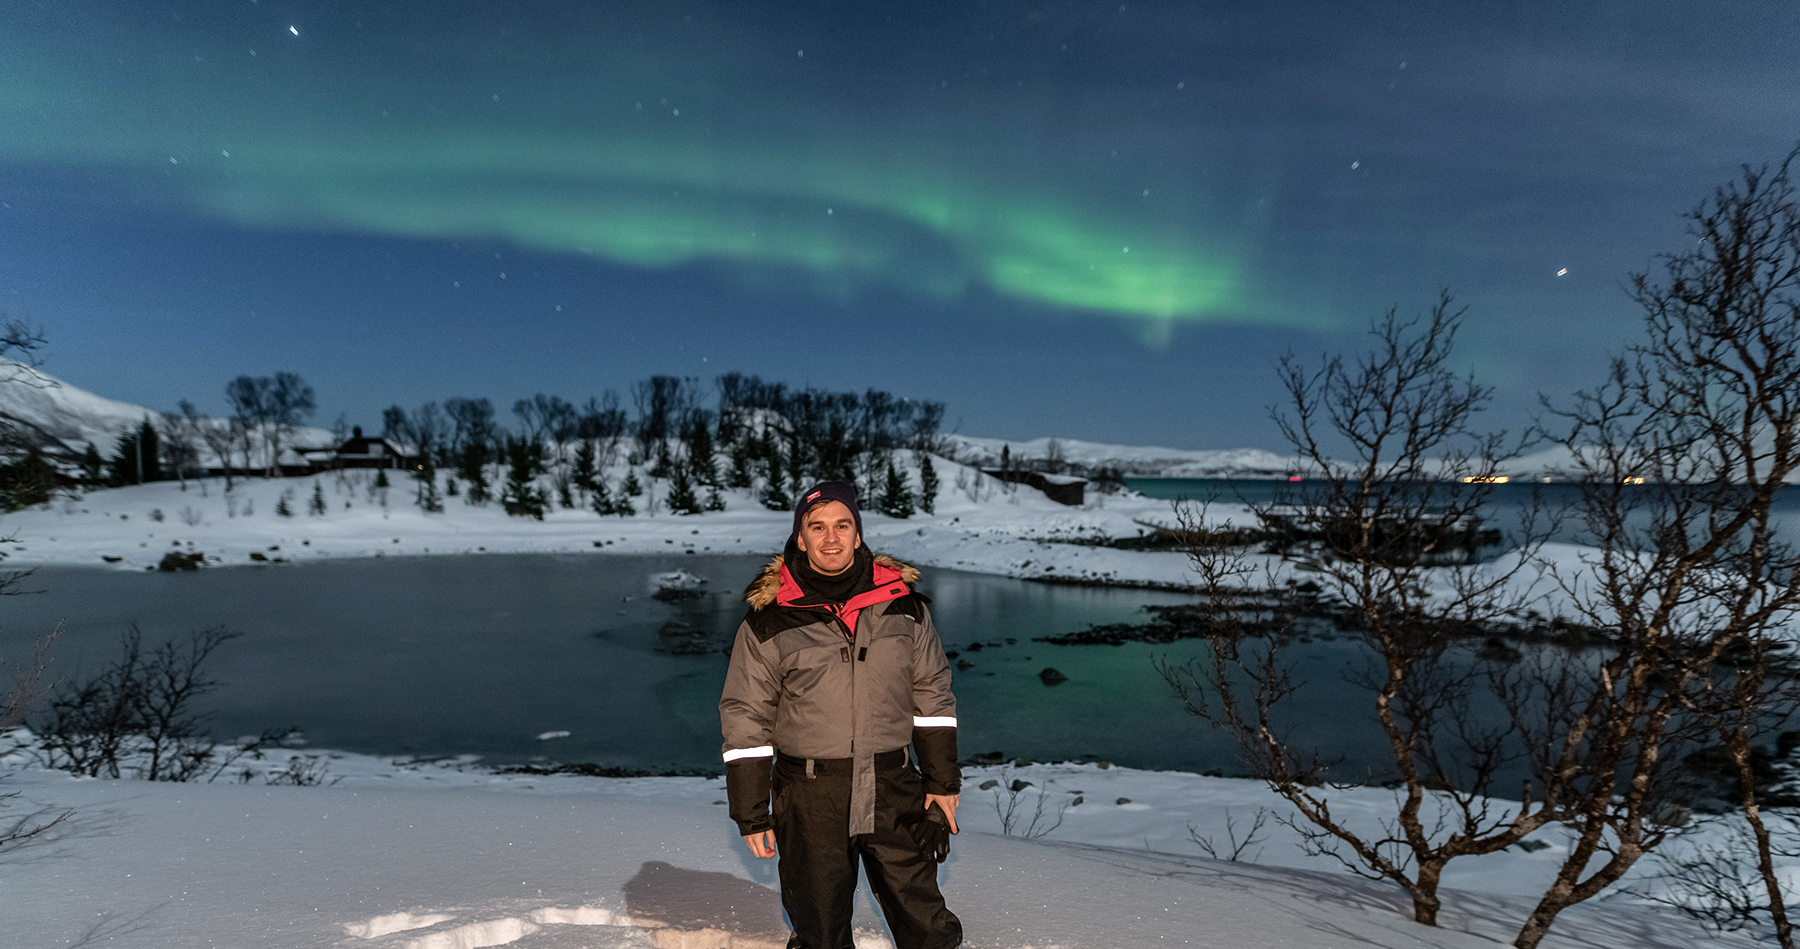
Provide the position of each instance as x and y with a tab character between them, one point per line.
92	465
663	463
585	474
134	461
928	485
521	496
600	499
381	478
428	498
796	465
897	500
700	454
714	500
774	498
316	506
681	499
27	482
738	475
282	507
472	465
632	487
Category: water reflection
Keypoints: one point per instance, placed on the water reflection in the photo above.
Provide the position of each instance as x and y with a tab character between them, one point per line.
481	655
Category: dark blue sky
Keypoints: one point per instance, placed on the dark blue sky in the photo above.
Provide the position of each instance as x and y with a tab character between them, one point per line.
1101	221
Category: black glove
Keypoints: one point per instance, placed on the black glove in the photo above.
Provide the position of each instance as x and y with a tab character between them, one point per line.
933	833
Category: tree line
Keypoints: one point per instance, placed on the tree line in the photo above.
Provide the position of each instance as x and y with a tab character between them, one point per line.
681	442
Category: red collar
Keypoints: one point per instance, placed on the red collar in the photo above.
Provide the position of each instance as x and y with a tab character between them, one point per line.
888	586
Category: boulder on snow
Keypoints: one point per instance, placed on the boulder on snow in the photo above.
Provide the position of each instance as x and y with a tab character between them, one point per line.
176	560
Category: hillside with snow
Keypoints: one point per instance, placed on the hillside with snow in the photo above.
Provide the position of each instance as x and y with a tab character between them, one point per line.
61	420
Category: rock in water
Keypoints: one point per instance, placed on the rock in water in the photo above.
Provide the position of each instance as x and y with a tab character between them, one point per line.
677	585
1052	677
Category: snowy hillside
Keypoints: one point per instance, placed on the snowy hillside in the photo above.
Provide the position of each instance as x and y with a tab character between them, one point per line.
63	420
61	414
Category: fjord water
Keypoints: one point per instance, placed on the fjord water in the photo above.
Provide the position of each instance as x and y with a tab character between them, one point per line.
1507	505
452	655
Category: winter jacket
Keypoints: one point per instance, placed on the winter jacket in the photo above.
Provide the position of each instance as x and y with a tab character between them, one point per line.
850	680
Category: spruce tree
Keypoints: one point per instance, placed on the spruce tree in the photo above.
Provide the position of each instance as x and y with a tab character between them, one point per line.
27	482
632	487
585	474
738	475
381	478
282	507
662	465
152	451
428	498
714	500
623	507
134	460
773	497
897	499
316	505
928	485
600	499
700	454
681	499
92	465
450	488
471	466
521	496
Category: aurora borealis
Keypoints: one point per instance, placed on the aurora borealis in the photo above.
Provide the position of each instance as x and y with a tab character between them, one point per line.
1095	220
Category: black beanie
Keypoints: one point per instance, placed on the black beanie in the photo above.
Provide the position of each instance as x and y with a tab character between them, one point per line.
841	491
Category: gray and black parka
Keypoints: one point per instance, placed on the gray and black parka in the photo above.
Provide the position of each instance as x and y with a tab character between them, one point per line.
810	679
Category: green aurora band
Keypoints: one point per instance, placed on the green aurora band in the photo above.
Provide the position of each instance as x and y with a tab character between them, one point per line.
936	207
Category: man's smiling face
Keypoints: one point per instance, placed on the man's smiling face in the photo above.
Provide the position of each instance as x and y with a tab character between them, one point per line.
829	538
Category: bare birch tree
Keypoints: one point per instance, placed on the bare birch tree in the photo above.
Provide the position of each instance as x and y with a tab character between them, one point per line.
1680	453
1398	477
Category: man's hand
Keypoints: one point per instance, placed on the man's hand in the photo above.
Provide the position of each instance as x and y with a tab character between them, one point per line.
763	844
945	802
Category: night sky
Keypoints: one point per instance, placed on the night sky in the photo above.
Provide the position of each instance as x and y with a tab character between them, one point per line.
1102	221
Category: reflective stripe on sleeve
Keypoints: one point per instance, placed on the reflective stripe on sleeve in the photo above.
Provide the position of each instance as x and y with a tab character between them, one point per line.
764	751
944	722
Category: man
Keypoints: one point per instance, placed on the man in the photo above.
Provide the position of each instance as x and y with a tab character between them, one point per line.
836	669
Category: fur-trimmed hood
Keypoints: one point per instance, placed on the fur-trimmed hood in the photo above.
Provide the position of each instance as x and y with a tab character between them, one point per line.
762	591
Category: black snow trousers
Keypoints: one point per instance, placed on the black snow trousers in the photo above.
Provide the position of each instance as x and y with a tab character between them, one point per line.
818	858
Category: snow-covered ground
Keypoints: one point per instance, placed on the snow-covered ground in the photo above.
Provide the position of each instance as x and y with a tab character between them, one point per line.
984	526
447	856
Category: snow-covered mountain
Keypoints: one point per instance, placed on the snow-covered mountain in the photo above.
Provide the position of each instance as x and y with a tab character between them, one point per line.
63	419
60	417
1090	457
